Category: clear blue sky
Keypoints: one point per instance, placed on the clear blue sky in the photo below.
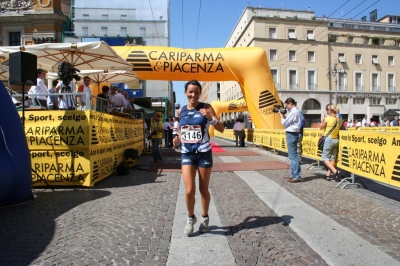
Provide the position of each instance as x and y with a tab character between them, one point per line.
209	23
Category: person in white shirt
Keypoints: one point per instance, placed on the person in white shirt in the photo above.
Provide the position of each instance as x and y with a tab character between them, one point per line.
292	122
117	99
40	88
385	122
364	122
357	123
84	89
176	127
238	128
167	137
350	124
127	103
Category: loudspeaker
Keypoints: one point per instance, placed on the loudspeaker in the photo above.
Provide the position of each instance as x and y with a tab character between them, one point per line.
23	69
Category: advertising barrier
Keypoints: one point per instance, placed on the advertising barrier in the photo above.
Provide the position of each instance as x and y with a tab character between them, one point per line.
369	153
78	148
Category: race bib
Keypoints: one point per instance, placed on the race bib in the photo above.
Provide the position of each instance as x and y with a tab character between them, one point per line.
191	134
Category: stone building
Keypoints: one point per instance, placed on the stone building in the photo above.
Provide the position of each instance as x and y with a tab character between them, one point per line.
319	60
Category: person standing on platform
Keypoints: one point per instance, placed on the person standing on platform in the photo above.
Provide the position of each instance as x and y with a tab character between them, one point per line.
52	100
156	137
102	105
84	89
238	129
194	140
292	123
40	88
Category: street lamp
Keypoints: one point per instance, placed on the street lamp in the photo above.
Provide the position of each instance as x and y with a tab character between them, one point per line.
334	72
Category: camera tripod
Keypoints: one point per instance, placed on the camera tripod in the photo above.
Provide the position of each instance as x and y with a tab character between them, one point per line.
69	102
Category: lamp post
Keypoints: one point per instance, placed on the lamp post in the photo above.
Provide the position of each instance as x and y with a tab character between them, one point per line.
334	72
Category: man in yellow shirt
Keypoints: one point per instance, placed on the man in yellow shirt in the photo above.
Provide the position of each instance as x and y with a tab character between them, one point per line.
157	128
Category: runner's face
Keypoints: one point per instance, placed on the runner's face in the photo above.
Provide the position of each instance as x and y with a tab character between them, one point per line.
192	93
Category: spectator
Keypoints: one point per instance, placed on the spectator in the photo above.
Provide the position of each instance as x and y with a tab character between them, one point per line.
84	90
395	122
358	124
385	122
167	137
132	102
127	103
331	124
176	127
156	137
102	105
40	88
117	99
292	124
350	124
52	100
364	122
27	102
372	122
238	129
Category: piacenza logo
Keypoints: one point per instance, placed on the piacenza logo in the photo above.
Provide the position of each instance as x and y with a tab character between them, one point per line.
182	62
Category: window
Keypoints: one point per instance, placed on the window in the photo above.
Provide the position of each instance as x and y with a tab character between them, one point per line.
272	33
103	31
85	31
333	38
391	101
292	34
292	55
123	31
358	59
375	60
311	56
358	81
310	35
85	16
341	83
374	82
293	84
15	38
311	104
391	83
343	100
123	17
273	55
390	60
275	78
104	16
311	80
342	58
358	101
375	101
142	32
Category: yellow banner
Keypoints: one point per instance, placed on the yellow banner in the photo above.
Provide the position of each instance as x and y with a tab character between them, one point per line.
383	129
371	154
78	148
57	130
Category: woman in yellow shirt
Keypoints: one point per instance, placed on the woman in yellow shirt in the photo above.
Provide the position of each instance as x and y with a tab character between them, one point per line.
331	124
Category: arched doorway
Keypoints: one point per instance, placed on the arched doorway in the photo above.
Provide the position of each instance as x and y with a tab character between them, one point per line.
312	112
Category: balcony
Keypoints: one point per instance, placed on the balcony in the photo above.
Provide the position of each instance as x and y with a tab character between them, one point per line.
359	88
293	86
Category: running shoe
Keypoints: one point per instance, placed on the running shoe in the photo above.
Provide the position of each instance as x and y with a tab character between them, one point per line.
203	228
190	225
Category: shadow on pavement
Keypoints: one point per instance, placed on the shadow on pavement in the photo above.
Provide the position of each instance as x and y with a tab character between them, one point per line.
250	222
27	229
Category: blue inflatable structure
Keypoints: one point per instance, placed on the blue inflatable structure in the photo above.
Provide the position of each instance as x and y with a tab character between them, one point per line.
15	162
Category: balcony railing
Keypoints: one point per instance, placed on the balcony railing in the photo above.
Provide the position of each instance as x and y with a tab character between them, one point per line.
374	88
391	89
359	88
342	87
312	86
293	86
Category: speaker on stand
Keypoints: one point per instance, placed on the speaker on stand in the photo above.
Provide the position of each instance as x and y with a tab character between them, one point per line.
22	70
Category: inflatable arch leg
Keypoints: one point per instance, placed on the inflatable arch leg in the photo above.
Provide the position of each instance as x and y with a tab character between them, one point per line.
246	65
15	161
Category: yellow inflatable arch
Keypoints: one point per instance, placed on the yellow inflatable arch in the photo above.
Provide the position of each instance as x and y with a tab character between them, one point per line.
246	65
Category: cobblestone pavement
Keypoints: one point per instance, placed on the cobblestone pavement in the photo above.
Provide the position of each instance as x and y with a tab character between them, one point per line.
127	220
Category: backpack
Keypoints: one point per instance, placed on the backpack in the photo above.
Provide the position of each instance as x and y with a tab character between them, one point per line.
131	154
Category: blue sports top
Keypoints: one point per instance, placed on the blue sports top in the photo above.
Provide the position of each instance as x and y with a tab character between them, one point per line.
194	118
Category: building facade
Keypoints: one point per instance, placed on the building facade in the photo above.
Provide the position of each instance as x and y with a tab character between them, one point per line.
319	61
120	23
27	22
